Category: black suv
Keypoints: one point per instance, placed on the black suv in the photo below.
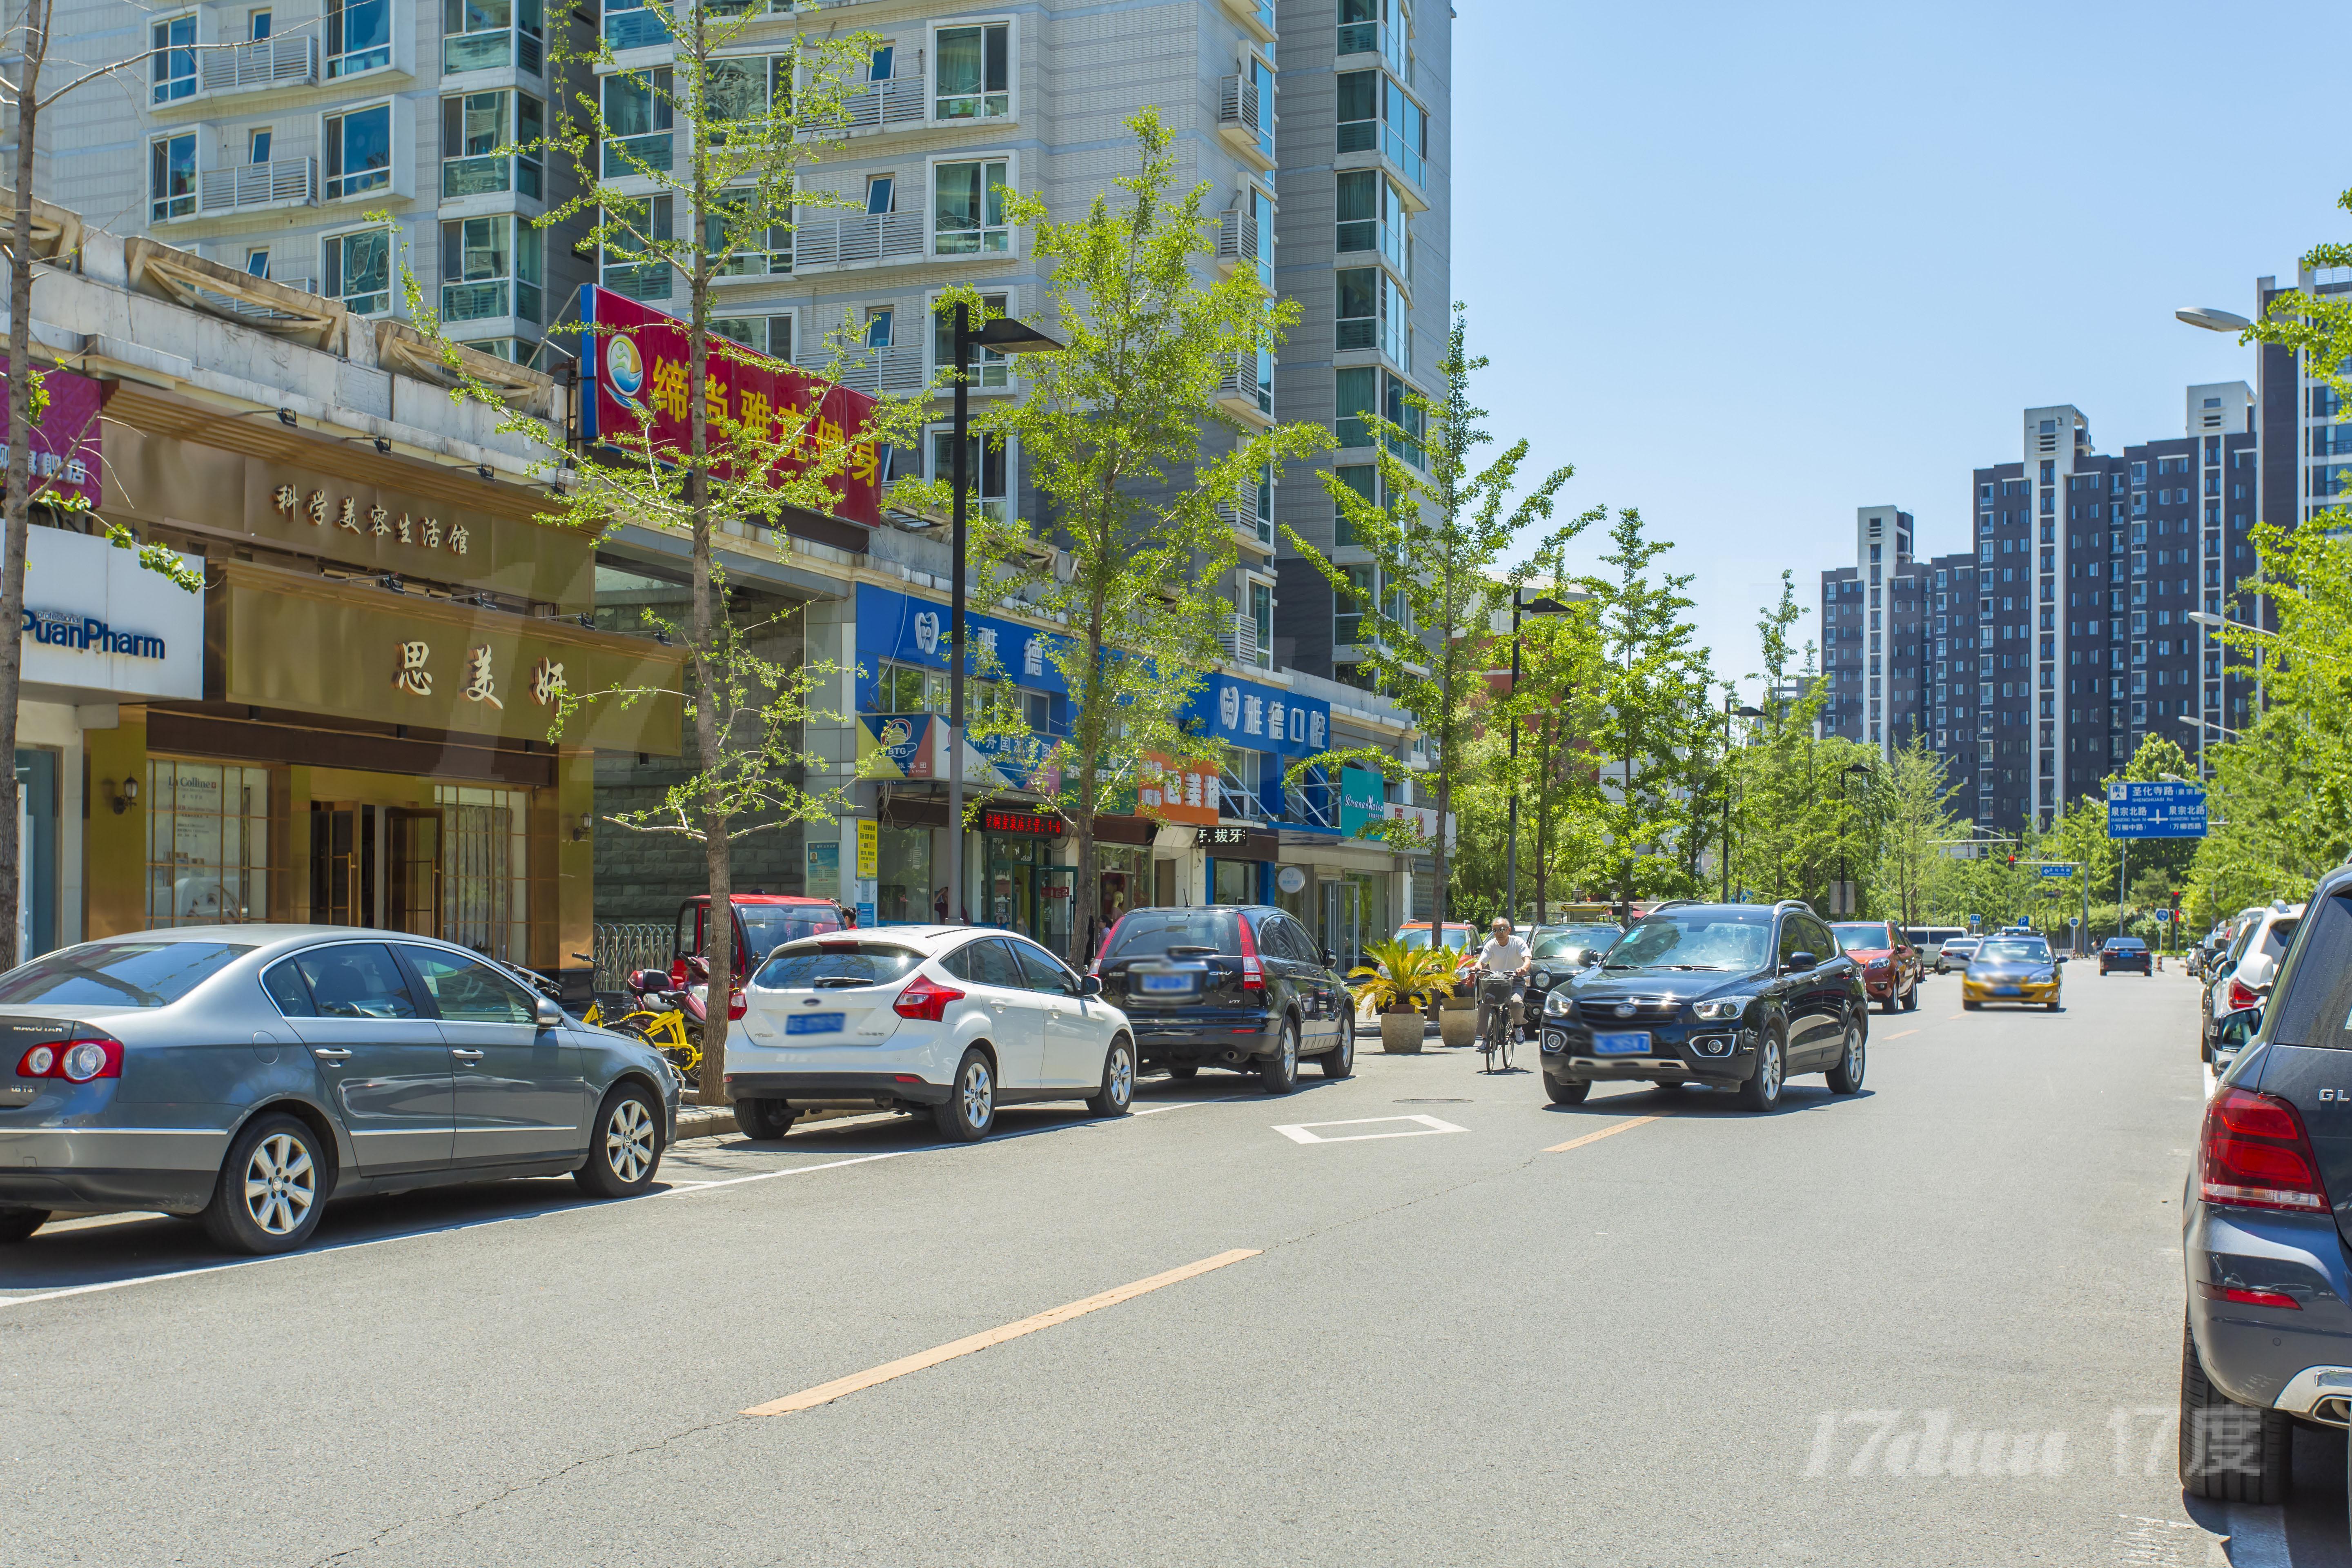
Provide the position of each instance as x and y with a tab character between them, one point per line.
1240	986
1736	995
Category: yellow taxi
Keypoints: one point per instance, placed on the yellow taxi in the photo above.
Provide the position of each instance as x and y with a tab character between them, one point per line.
2011	967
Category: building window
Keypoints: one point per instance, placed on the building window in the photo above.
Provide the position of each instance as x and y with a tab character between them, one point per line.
637	118
630	264
474	127
256	25
491	267
1261	612
984	470
208	857
257	262
359	152
359	269
991	370
1347	606
737	246
968	209
359	35
1363	478
172	68
482	35
1372	314
1372	216
769	335
171	177
974	79
1363	390
484	854
1377	115
910	689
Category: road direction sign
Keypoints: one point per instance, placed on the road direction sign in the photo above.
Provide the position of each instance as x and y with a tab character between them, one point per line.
2157	810
2164	917
2050	870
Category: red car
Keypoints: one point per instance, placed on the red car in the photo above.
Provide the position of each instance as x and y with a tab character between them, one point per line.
1889	963
764	922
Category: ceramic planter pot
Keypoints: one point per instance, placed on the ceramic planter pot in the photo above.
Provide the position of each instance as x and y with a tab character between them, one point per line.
1400	1033
1457	1020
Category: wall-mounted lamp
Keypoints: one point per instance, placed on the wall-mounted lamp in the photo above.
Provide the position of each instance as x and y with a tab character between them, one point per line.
124	795
587	821
383	447
389	580
484	470
285	418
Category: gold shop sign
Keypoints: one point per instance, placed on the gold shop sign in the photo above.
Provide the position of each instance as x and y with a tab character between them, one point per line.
287	640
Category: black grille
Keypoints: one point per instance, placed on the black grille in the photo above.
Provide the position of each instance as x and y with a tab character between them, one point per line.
1602	1012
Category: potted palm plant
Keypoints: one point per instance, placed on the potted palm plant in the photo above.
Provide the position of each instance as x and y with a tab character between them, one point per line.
1399	982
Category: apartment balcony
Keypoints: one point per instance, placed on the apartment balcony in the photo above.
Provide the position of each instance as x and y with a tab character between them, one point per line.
648	282
637	28
496	50
897	368
487	177
1405	160
1237	242
1248	517
895	104
1256	17
493	300
1241	646
282	62
624	157
861	240
1245	122
257	187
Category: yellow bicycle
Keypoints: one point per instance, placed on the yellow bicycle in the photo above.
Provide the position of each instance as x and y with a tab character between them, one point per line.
664	1027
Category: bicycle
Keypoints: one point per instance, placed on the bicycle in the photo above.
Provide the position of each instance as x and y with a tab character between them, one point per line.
1495	990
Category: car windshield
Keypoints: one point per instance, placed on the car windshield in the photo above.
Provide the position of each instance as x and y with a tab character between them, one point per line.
835	963
2015	950
1146	934
1694	941
767	927
117	973
1864	937
1569	939
1418	936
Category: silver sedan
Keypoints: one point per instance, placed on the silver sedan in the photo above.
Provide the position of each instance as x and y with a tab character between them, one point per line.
247	1074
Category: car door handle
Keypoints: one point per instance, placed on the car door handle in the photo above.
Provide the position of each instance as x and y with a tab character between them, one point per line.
464	1055
331	1054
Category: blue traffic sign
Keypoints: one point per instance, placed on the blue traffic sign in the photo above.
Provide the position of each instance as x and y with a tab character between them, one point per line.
2156	810
2050	870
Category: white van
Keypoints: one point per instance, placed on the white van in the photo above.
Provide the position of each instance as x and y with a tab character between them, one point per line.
1930	940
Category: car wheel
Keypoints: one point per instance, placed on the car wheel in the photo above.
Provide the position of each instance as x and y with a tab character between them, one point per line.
1911	997
764	1121
625	1146
1971	1007
1278	1074
16	1224
270	1195
1118	1091
1568	1091
1339	1061
2050	1006
1763	1090
2229	1452
1846	1077
970	1109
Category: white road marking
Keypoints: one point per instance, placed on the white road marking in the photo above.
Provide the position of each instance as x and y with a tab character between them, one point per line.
1428	1126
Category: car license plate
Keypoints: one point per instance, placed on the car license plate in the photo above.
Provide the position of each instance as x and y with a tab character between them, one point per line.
1631	1043
813	1023
2005	990
1164	984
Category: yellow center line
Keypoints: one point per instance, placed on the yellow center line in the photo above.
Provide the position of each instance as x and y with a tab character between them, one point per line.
1900	1034
1609	1131
826	1392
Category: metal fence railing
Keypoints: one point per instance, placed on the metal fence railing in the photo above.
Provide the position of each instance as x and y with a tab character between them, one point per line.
621	947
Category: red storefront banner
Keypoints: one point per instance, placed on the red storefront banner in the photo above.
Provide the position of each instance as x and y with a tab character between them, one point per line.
638	372
65	443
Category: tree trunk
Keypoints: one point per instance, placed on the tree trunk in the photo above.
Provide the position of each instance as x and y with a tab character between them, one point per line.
709	609
35	46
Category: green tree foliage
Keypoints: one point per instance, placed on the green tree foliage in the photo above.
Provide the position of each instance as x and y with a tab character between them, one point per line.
1556	703
1111	430
1437	541
1915	832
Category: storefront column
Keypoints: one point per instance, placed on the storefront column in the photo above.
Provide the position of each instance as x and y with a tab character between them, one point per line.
573	841
114	845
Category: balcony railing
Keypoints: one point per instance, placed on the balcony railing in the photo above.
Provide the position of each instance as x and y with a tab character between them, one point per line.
493	50
1238	116
639	281
653	152
288	61
281	182
1242	646
898	100
896	368
1237	240
860	238
488	300
638	29
1240	390
487	175
1380	136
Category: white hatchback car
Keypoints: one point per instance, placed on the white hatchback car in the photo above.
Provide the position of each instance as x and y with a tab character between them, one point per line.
955	1020
2241	977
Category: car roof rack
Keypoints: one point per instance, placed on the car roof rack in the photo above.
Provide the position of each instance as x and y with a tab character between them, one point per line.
1792	904
1672	904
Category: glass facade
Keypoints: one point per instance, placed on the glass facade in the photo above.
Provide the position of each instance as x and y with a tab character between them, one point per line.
208	857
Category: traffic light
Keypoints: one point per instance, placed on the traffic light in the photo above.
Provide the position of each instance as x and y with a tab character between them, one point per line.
2012	860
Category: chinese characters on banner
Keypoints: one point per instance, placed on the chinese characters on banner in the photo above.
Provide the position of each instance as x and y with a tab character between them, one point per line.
378	521
1171	790
65	456
638	360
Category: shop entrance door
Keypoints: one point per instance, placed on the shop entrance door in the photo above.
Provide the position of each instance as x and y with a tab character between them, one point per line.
413	903
345	854
1057	888
1343	923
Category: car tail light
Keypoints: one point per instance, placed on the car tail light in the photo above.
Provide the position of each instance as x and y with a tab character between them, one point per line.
737	1005
1253	973
925	998
2248	1298
2253	1154
76	1062
2242	996
1110	939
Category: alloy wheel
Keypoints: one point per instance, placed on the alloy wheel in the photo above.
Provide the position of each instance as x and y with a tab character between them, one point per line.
629	1140
1853	1052
280	1184
978	1092
1770	1068
1122	1075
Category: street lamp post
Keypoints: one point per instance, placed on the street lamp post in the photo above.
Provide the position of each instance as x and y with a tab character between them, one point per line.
1845	883
1007	336
1730	712
1536	606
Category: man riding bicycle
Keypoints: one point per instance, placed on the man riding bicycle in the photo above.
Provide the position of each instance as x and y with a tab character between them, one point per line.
1504	954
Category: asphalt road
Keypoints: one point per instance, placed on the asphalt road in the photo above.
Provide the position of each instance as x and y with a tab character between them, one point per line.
1938	1322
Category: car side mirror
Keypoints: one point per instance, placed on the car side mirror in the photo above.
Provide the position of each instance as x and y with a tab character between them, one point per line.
1330	959
1089	984
2242	1027
1799	961
2260	970
549	1016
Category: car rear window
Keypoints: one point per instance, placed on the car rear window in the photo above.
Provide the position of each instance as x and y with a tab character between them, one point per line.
836	963
2281	933
767	927
2123	944
2314	1000
2016	950
117	973
1149	934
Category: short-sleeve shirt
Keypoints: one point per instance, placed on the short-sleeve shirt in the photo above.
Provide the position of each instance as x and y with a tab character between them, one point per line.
1503	956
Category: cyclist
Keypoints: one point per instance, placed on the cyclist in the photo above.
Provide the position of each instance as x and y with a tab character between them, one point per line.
1504	954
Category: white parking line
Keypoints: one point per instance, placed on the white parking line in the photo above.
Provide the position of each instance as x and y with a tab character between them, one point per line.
1429	1126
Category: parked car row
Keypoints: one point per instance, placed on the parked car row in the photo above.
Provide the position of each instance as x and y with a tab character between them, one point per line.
2238	977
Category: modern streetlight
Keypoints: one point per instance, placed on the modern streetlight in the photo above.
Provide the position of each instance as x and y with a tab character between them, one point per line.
2219	623
2208	723
2212	319
1729	713
1006	336
1845	883
1536	606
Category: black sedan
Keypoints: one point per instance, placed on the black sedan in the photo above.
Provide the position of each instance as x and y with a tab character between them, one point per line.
2124	952
1732	996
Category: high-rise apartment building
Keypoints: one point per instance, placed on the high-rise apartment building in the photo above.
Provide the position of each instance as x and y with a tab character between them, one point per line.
2035	662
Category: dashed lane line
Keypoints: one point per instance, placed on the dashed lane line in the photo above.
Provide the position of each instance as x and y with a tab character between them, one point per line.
1611	1131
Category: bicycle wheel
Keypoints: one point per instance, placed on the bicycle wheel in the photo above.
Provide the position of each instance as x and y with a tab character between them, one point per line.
1507	1047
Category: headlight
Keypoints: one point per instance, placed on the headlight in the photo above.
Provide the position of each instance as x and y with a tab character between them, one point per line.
1721	1010
1556	1005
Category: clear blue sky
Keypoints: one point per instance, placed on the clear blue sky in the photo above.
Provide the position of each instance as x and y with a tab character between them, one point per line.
1748	269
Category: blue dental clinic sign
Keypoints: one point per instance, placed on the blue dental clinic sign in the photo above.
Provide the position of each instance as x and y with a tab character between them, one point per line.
2156	810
